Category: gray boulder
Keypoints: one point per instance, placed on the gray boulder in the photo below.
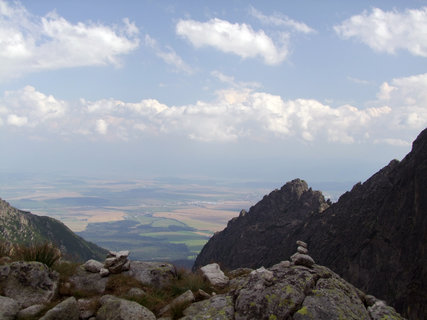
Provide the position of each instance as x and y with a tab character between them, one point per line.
88	282
186	298
213	273
113	308
219	307
93	266
302	259
157	274
66	310
87	308
9	308
380	311
29	283
31	312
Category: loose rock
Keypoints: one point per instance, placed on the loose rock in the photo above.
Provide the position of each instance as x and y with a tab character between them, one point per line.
66	310
213	273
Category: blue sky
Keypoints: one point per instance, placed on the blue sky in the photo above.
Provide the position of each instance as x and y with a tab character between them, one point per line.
262	90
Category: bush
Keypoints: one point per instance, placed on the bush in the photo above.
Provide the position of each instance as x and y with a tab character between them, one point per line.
45	253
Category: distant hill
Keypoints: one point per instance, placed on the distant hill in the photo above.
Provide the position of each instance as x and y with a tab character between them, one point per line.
375	236
22	227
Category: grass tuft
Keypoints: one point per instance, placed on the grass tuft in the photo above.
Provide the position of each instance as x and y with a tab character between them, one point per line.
45	253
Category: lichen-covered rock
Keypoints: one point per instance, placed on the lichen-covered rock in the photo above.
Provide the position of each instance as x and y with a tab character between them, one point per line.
9	308
113	308
66	310
29	283
332	298
380	311
213	273
219	307
93	266
157	274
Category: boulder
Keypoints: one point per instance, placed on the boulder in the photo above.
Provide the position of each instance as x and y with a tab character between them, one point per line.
113	308
93	266
66	310
31	312
136	292
157	274
302	260
9	308
186	298
219	307
213	273
88	282
87	308
379	311
29	283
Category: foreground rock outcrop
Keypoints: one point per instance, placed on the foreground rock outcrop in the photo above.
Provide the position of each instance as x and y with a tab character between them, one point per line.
375	236
297	289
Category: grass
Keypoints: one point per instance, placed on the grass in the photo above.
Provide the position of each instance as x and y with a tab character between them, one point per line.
45	253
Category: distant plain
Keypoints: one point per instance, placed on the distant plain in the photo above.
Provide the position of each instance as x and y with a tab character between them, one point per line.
157	219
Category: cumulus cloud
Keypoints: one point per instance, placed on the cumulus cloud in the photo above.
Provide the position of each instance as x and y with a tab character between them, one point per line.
168	55
239	39
281	20
388	31
236	113
31	43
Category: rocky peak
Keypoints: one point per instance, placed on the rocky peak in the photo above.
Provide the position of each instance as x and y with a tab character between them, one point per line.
256	235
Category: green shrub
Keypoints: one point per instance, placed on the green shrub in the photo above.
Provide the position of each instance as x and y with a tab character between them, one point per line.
45	253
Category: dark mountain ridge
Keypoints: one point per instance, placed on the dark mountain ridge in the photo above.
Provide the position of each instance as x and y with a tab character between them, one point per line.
375	236
22	227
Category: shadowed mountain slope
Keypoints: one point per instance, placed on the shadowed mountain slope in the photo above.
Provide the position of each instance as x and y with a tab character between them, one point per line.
375	236
22	227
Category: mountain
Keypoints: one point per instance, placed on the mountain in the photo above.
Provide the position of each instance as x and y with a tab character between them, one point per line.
375	236
22	227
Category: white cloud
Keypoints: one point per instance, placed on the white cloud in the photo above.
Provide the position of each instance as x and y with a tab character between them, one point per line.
15	120
235	114
168	55
33	106
239	39
101	126
388	31
30	43
232	82
281	20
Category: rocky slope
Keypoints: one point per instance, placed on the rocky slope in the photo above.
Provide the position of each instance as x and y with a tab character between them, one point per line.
375	236
22	227
294	290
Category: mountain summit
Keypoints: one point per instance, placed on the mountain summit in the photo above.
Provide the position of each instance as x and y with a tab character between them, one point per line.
375	236
17	226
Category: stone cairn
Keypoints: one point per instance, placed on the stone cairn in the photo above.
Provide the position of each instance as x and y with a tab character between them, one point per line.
116	262
301	257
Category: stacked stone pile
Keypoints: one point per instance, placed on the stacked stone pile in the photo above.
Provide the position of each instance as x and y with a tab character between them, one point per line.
116	262
301	257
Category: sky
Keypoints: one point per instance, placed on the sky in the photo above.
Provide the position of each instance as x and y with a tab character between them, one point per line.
252	90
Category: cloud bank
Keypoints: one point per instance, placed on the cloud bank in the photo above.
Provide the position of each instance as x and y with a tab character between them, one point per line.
388	31
31	43
236	113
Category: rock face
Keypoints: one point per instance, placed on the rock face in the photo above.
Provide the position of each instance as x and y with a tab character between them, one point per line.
375	236
18	226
